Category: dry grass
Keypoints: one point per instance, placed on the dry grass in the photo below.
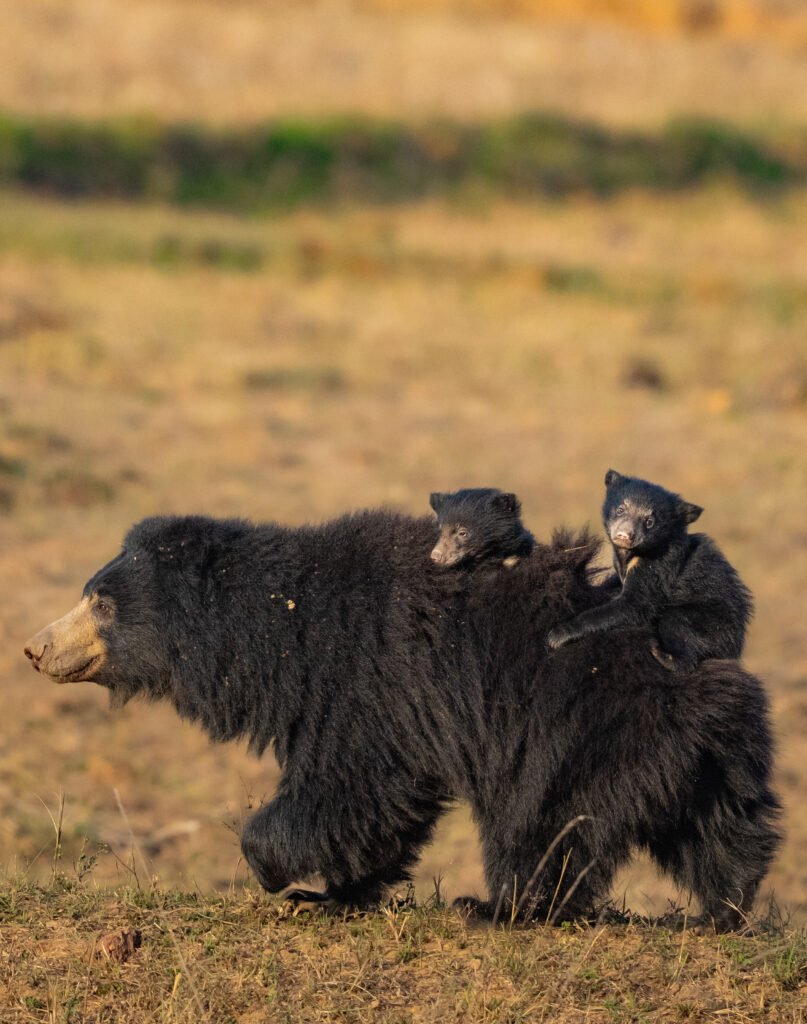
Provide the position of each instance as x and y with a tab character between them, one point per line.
238	958
245	61
371	357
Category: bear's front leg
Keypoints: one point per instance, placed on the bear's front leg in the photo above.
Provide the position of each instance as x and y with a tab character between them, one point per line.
360	854
274	845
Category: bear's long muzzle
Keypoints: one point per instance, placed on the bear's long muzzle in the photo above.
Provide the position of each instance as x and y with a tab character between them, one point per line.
69	649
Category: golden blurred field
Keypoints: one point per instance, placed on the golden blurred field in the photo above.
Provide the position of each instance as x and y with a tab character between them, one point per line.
620	62
296	365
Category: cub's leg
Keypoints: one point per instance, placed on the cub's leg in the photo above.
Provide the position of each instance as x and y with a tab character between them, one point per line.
687	636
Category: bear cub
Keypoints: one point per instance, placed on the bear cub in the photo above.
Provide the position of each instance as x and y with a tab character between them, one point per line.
478	524
681	584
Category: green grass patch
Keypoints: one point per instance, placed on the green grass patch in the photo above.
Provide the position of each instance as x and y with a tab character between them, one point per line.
286	163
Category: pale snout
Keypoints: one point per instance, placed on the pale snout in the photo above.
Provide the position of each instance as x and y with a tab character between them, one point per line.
70	648
624	534
37	646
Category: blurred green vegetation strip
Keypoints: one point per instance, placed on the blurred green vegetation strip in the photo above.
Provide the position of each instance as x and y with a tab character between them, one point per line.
286	163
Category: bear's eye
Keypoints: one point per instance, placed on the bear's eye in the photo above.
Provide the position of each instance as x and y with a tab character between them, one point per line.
650	522
621	510
103	607
462	533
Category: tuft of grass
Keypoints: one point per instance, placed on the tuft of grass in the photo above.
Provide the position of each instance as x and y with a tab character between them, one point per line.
790	966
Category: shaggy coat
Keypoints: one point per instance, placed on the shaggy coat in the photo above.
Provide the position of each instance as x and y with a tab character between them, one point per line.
389	689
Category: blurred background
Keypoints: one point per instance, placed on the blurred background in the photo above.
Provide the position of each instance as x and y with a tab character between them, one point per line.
283	259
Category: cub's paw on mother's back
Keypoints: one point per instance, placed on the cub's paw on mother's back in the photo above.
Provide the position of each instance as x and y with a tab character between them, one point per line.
558	637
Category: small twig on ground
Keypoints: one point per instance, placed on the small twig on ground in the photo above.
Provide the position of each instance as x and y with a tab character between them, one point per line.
135	845
567	828
57	823
499	904
564	865
572	888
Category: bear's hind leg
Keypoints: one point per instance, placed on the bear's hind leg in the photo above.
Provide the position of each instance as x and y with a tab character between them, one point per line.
722	868
551	875
722	849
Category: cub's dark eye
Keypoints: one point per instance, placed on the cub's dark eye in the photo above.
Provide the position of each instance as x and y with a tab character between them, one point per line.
650	522
103	607
462	533
621	510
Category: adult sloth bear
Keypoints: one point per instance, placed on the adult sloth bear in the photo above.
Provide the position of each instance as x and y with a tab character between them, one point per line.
389	689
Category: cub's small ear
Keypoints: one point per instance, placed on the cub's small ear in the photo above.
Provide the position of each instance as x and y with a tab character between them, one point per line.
436	499
612	477
508	503
691	512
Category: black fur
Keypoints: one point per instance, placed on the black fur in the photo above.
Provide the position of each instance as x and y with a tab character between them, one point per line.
389	689
680	585
478	524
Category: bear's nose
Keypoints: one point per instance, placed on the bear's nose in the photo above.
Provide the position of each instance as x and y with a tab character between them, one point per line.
623	537
35	650
437	556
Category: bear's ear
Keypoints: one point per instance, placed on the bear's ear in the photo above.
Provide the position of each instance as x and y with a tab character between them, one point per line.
436	499
612	477
507	503
689	511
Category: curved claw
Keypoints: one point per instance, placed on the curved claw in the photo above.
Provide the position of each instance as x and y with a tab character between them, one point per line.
300	901
473	907
662	657
305	896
